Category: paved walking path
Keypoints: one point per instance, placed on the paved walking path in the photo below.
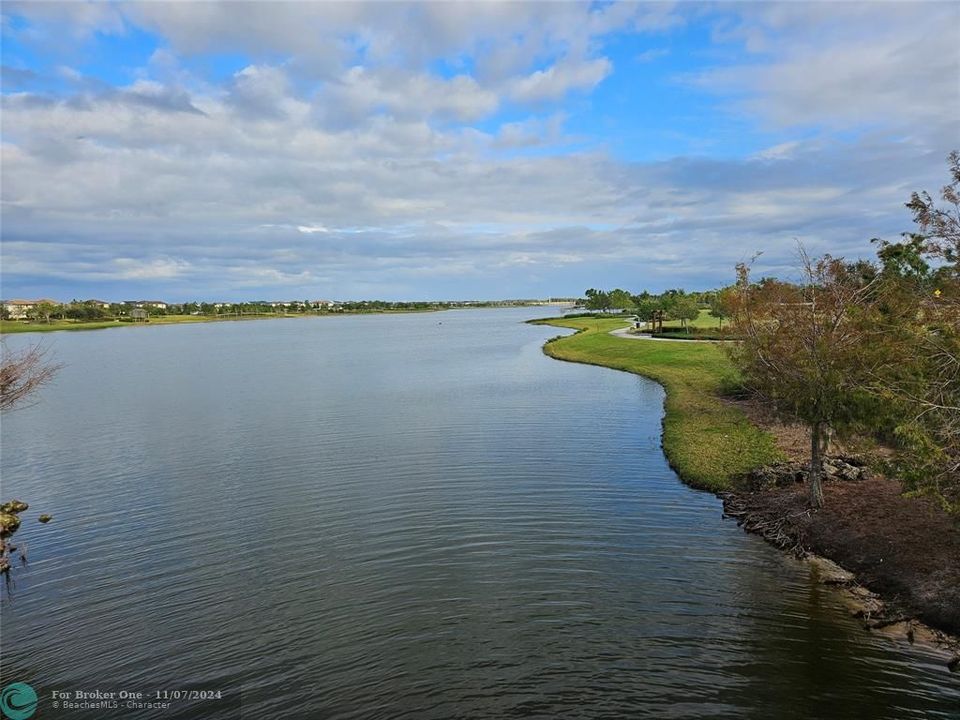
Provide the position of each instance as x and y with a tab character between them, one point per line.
625	333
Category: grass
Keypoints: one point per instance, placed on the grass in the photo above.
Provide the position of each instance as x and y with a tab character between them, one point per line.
707	441
703	322
18	326
8	327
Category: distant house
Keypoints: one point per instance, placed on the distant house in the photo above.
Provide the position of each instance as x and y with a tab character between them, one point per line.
20	309
99	303
158	304
322	303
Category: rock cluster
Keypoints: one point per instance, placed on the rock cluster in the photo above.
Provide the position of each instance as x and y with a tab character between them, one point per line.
9	520
835	467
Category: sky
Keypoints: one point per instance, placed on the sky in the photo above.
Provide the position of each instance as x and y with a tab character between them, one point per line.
424	151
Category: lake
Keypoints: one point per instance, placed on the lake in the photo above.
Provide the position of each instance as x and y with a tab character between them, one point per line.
404	516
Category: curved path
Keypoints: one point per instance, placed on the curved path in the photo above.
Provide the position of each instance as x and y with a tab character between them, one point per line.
625	333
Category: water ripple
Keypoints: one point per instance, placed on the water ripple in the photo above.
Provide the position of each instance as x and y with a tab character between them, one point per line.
383	518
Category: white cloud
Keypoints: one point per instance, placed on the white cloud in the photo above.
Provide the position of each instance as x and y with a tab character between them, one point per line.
360	92
338	155
847	65
152	269
557	80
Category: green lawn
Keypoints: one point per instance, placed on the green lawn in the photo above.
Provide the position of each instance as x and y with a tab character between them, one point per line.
8	327
18	326
705	321
707	441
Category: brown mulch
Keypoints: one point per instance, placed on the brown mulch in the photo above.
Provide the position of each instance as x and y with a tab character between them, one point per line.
792	439
907	550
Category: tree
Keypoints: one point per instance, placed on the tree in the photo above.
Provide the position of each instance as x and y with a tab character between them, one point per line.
645	306
940	226
597	300
922	375
685	309
620	299
722	304
45	310
22	373
802	346
921	276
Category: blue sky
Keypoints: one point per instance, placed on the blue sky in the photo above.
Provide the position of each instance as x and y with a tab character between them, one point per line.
455	150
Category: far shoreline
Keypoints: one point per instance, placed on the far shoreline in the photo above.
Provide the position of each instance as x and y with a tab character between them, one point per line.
18	327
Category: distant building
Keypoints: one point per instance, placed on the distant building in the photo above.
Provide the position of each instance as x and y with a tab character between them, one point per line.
19	309
158	304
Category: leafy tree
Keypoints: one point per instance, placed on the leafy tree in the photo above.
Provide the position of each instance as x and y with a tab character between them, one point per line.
620	299
722	304
45	310
921	277
645	306
802	350
685	309
597	300
669	299
940	225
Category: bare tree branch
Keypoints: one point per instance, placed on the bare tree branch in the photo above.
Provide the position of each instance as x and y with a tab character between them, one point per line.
22	373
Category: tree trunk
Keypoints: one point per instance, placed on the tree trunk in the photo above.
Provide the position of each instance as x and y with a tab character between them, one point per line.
816	465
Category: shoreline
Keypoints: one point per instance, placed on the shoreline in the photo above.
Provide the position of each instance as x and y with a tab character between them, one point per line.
15	327
892	586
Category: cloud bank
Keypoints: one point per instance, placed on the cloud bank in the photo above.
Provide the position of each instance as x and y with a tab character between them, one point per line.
451	150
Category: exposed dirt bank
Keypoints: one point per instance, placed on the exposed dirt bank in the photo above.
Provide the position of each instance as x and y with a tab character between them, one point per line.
905	550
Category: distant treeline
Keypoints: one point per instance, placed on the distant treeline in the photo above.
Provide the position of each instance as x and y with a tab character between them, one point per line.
675	304
98	310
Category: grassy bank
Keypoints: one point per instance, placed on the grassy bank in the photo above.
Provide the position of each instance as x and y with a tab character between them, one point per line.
9	327
706	440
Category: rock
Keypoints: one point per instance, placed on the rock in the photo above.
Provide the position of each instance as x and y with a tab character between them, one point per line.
855	460
848	472
845	468
954	664
8	523
829	573
841	468
45	518
773	476
14	506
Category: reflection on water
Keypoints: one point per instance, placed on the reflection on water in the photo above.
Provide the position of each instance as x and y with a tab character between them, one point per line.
382	517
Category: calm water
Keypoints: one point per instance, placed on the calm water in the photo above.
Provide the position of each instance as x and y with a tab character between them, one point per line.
412	516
